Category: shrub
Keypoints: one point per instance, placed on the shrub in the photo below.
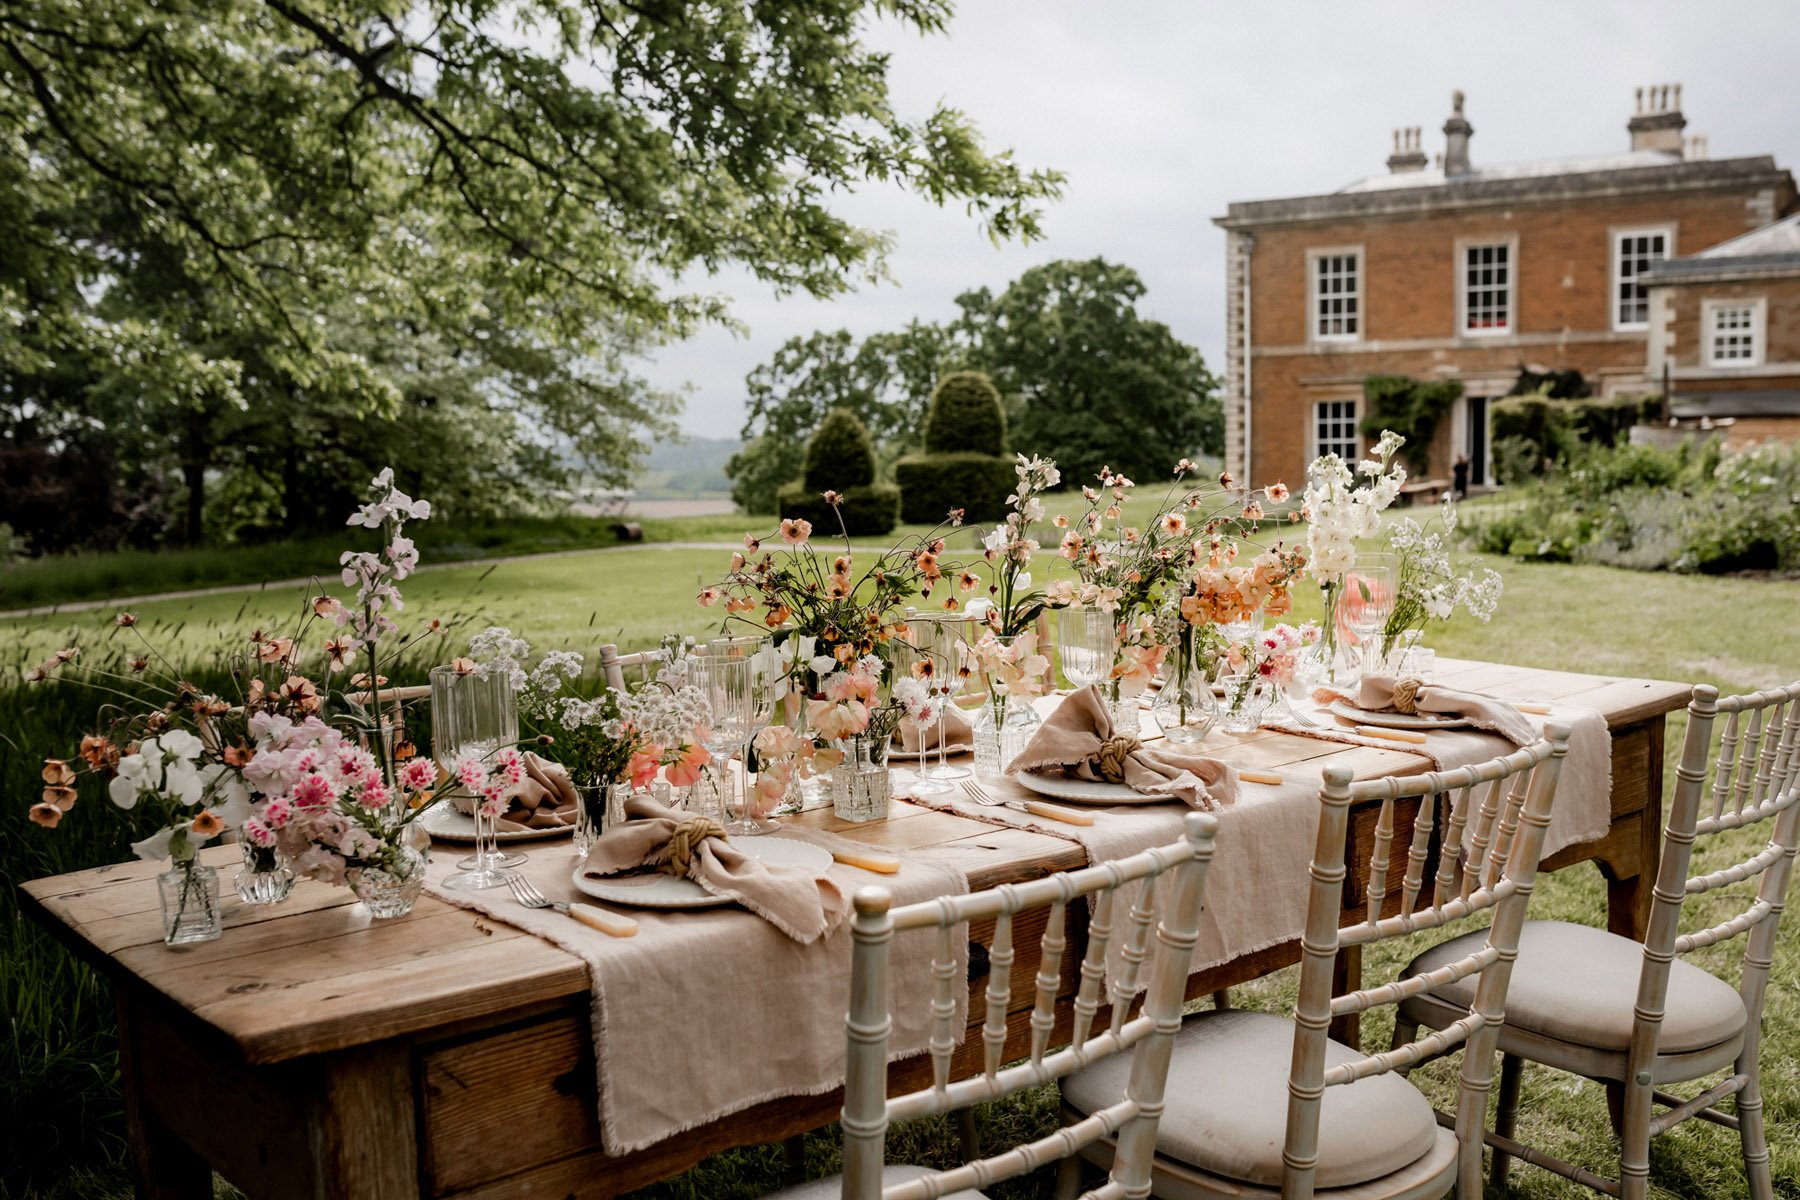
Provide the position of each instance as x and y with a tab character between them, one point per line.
933	484
1411	408
965	416
840	455
1608	422
867	511
1540	422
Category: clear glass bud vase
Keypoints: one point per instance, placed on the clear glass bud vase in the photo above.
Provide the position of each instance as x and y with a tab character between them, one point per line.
1003	726
190	903
598	807
266	877
390	890
861	786
1184	708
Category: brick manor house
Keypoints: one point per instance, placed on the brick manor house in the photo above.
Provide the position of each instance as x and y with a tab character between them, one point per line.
1457	271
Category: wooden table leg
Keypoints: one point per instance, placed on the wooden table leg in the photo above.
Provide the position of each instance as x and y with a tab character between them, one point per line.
364	1135
1628	885
163	1167
1346	976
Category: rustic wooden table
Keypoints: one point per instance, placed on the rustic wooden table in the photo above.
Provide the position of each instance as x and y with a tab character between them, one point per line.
312	1052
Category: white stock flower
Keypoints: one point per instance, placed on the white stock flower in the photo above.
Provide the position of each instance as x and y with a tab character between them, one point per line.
154	846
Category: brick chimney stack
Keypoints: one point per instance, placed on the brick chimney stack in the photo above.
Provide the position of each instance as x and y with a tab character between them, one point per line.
1407	155
1456	138
1657	123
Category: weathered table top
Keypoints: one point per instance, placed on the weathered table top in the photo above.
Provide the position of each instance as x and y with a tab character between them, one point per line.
316	973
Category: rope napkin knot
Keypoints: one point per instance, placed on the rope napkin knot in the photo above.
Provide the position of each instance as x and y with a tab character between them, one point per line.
806	905
1078	739
685	840
1406	695
1109	760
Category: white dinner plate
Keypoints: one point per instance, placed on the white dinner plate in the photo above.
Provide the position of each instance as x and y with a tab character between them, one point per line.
1397	720
1089	791
666	891
443	822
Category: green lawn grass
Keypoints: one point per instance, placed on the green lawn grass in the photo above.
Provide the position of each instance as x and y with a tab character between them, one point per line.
58	1072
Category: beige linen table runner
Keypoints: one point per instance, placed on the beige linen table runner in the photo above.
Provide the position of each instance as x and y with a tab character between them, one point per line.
707	1012
1583	808
1256	888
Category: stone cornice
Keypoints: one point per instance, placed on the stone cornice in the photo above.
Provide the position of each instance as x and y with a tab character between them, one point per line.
1548	189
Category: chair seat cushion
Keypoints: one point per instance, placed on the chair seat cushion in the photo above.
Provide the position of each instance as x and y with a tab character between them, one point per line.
1579	985
832	1186
1227	1099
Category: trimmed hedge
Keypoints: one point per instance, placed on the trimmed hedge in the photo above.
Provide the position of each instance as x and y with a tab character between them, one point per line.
933	484
839	456
965	416
868	511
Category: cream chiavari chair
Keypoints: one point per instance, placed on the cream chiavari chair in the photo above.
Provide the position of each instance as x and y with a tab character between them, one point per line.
613	665
1130	1114
1637	1017
1259	1106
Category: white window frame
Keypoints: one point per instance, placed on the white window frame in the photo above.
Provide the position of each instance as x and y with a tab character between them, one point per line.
1510	243
1615	235
1709	310
1361	295
1316	445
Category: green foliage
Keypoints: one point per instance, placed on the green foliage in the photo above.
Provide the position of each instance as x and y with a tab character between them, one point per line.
1608	422
965	416
760	469
1411	408
1098	385
869	510
839	456
221	215
1540	430
933	484
1558	385
1651	509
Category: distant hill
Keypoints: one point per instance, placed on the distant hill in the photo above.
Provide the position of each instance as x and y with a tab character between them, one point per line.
695	465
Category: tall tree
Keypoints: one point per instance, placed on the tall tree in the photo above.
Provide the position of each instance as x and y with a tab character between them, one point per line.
1097	384
561	175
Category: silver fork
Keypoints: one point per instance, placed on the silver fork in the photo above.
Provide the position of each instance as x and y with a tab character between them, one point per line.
1036	808
527	894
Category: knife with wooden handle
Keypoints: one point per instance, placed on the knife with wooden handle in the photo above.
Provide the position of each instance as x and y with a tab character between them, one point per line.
881	864
1392	735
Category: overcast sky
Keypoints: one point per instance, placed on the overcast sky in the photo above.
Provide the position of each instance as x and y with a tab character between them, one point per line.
1161	114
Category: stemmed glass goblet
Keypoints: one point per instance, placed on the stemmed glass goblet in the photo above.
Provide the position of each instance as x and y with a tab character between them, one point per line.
474	713
940	638
1084	645
1368	602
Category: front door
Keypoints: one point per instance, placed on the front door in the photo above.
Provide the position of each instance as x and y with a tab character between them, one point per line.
1477	448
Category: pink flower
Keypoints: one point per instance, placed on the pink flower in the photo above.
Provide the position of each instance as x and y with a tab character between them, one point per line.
314	791
777	742
257	833
418	774
685	771
1276	492
834	719
643	765
795	532
277	813
375	795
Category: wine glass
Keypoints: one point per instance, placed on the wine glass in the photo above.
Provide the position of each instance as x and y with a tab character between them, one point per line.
1084	644
740	705
1368	603
939	641
475	713
910	659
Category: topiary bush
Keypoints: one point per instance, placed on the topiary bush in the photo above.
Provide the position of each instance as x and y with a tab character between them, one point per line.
933	484
841	458
964	464
868	511
965	416
840	455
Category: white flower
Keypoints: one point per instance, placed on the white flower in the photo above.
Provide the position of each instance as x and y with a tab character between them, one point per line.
154	846
995	541
179	743
122	789
822	664
1023	580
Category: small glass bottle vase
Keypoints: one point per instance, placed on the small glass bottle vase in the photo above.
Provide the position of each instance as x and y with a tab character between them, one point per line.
1003	726
1246	699
390	890
190	903
1184	708
861	785
598	807
266	877
1124	710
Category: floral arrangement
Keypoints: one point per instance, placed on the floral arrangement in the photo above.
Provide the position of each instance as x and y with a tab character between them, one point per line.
783	758
1338	511
323	776
1274	655
1013	668
1008	548
1428	585
847	613
848	705
325	801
